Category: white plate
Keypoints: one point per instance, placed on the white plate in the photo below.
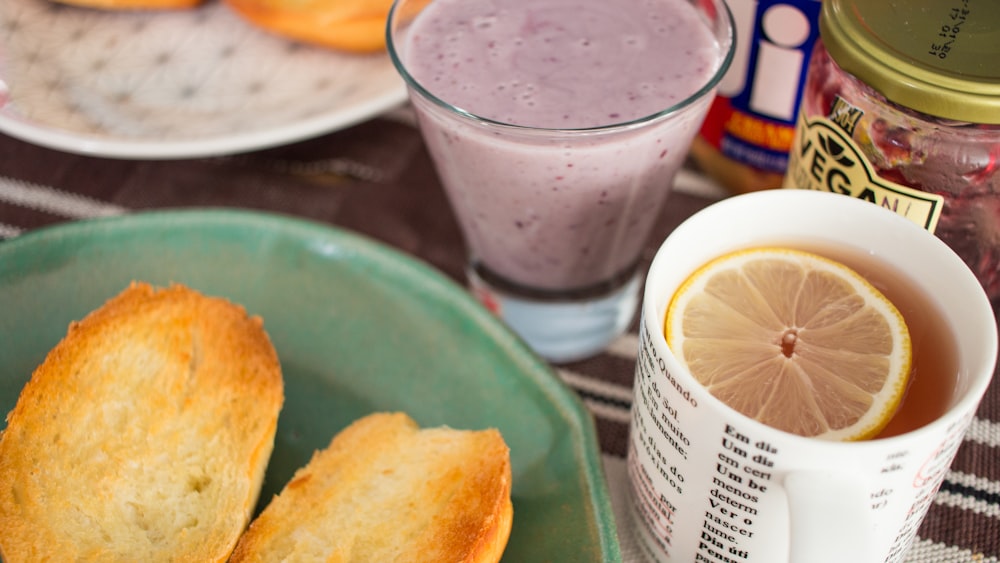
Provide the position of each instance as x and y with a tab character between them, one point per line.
174	84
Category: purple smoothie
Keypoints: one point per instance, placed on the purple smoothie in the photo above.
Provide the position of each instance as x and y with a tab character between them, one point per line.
548	195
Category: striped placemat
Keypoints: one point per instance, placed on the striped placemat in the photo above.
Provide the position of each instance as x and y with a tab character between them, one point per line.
397	200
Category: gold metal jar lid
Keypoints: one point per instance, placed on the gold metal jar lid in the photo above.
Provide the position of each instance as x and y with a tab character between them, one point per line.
938	57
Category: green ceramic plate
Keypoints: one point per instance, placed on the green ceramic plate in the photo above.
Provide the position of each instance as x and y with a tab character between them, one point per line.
359	327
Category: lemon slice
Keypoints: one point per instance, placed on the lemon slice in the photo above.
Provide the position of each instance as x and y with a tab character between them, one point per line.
794	340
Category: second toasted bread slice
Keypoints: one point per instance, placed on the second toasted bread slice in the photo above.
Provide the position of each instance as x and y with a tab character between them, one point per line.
143	436
385	490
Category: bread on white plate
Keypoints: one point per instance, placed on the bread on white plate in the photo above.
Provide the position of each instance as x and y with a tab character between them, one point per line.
385	491
117	5
144	435
353	26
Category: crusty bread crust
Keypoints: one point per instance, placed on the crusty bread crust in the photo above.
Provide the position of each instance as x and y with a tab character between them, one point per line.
384	490
349	25
143	436
133	4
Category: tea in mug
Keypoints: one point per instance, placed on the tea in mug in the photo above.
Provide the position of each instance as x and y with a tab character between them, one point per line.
815	340
934	366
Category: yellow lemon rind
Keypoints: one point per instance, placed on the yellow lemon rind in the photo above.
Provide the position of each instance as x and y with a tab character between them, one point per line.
892	392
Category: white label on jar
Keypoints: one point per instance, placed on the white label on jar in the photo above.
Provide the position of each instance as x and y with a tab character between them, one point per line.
825	158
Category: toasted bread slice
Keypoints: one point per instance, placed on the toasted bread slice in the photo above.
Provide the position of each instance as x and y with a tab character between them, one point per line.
385	490
143	436
349	25
133	4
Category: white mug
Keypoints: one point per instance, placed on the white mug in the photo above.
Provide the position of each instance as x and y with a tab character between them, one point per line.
711	485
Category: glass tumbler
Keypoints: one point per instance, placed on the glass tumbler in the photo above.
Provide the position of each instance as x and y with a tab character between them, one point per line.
557	157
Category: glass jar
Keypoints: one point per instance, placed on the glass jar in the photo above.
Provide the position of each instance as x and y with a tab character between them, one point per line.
902	108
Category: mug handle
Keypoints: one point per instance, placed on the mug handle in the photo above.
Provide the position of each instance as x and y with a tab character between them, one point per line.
830	518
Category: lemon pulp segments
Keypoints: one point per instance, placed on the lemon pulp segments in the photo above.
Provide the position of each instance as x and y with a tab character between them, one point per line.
794	340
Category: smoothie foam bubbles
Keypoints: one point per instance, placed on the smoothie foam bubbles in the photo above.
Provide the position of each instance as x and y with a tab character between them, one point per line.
556	128
561	64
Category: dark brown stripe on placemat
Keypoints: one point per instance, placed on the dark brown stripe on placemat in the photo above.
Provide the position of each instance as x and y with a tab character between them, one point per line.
953	525
606	367
613	437
977	459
